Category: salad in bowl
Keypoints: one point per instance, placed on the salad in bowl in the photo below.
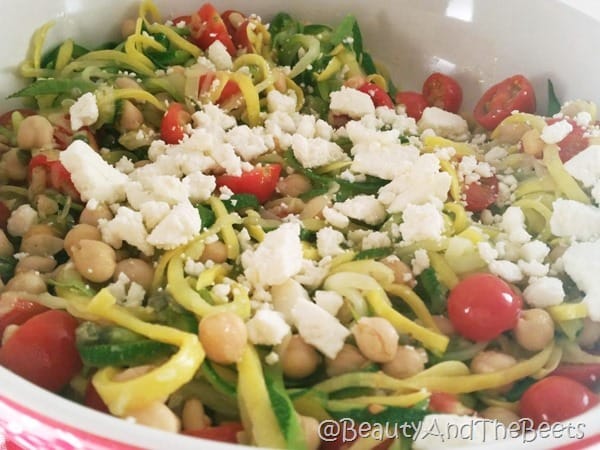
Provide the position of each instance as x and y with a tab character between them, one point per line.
245	231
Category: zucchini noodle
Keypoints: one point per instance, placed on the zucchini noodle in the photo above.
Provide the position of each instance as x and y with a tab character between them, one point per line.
64	54
561	177
312	49
414	302
227	231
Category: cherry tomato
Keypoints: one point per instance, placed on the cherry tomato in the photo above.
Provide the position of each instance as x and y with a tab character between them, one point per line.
172	124
185	19
93	400
481	194
349	432
17	312
230	90
496	104
6	118
443	402
57	176
588	374
573	143
261	181
442	91
554	399
43	350
482	306
207	26
414	102
226	432
377	94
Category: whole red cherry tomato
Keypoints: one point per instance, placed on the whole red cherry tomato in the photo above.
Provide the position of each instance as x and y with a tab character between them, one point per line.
443	91
377	94
414	102
261	181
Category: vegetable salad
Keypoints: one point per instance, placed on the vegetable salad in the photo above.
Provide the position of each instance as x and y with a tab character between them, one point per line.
239	230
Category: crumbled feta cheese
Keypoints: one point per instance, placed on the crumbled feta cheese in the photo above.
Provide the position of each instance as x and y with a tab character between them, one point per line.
316	152
575	220
329	242
495	154
335	218
487	252
535	251
285	103
312	273
128	226
470	170
193	268
277	258
585	166
220	57
533	268
421	222
444	123
153	212
385	161
125	165
582	263
199	186
351	102
84	111
375	239
420	262
507	270
513	222
272	358
362	207
248	142
286	295
178	227
552	134
544	292
92	176
330	301
21	220
267	327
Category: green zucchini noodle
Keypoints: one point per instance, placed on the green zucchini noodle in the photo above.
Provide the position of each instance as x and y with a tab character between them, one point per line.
252	232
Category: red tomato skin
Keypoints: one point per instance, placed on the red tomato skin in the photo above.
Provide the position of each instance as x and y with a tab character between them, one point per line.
43	350
499	101
205	84
93	400
443	91
377	94
414	102
261	181
348	434
226	432
21	311
6	118
483	306
587	374
443	402
171	126
573	143
555	399
481	194
207	26
58	177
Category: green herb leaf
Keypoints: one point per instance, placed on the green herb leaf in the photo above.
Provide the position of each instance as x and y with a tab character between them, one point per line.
73	87
431	291
553	101
239	202
519	388
219	383
374	253
207	216
7	267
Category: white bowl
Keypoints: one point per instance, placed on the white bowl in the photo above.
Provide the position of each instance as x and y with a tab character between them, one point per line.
479	42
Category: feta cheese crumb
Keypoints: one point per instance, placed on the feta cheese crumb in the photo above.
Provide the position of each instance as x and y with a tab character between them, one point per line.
219	56
362	207
330	301
351	102
575	220
21	220
552	134
444	123
335	218
421	222
544	292
420	262
267	327
315	152
84	111
178	227
585	166
128	226
513	222
329	242
507	270
582	263
375	239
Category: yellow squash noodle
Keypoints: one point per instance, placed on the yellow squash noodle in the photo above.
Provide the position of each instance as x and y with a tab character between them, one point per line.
561	177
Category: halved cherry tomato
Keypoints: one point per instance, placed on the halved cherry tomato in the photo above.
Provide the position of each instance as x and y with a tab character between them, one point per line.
588	374
93	400
554	399
481	194
57	176
17	312
226	432
205	85
442	91
232	18
43	350
347	435
261	181
241	38
414	102
377	94
443	402
482	306
496	104
573	143
172	124
4	215
207	26
185	19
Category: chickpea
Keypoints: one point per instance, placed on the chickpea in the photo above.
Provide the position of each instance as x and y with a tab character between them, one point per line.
30	282
293	185
534	330
490	361
94	260
6	248
298	359
402	272
376	338
41	244
215	251
223	336
314	207
131	117
310	429
532	142
407	362
44	205
510	133
126	83
157	415
35	132
193	416
348	359
137	270
590	334
133	372
502	415
14	168
92	216
79	232
444	324
42	264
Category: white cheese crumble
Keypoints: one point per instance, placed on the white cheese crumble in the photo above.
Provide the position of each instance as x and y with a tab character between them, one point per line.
507	270
444	123
267	327
585	166
315	152
219	56
543	292
420	262
178	227
330	301
21	220
84	111
421	222
575	220
128	226
582	263
362	207
552	134
351	102
329	242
